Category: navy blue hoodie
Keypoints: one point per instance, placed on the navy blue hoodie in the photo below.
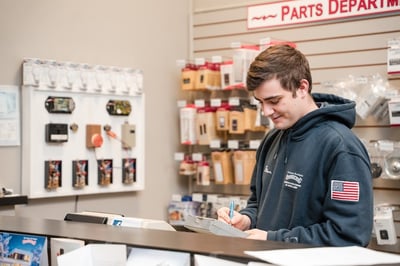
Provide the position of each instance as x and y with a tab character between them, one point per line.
312	182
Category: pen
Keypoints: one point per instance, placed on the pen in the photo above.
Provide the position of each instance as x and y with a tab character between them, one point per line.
231	207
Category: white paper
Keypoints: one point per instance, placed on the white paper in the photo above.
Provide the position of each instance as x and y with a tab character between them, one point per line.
95	255
201	260
154	257
59	246
9	116
325	256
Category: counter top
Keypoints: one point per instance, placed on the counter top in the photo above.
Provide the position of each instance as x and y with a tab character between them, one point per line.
194	243
223	247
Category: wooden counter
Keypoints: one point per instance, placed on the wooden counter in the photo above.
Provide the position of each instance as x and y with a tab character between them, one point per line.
193	243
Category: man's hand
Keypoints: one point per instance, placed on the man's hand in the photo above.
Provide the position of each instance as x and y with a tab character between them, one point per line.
257	234
239	221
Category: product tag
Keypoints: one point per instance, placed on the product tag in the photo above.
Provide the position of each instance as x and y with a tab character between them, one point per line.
234	101
199	103
216	144
233	144
200	61
215	102
197	157
393	56
179	156
181	103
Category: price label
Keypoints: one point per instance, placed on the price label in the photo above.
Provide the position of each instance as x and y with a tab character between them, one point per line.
197	157
215	102
179	156
200	61
393	56
182	103
234	101
199	103
233	144
216	144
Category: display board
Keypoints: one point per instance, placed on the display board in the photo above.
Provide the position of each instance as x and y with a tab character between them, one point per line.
82	130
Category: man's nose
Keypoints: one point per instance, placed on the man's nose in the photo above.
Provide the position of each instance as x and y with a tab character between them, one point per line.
267	110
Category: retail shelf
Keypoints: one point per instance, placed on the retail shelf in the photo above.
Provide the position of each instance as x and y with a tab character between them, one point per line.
226	189
13	200
385	183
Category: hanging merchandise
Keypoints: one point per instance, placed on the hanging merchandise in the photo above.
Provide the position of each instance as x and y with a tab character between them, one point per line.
203	76
251	121
188	77
187	166
205	125
236	121
222	117
243	55
376	157
223	169
226	75
244	162
393	56
392	164
384	225
203	173
188	115
216	76
394	110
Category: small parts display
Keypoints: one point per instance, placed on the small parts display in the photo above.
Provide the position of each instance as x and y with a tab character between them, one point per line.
105	173
118	107
80	173
93	136
56	133
66	105
129	171
52	178
83	129
61	105
80	170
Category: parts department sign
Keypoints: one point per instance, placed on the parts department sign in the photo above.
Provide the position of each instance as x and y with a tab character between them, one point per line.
303	11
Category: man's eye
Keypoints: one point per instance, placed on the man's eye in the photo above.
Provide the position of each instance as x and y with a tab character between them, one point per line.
274	101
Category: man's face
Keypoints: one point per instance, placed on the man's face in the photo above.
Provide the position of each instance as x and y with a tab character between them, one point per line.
278	104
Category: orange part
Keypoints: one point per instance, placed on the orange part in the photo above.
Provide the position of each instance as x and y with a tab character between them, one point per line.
97	140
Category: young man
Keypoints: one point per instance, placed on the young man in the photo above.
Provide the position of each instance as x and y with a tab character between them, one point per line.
312	182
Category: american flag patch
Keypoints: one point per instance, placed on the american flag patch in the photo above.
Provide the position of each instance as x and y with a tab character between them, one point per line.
345	190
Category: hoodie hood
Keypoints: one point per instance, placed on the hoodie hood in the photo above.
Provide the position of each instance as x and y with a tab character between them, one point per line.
331	108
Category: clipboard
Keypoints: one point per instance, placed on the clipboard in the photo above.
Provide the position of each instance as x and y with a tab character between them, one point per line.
212	226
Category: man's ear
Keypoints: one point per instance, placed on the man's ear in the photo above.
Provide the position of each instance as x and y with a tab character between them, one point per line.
303	88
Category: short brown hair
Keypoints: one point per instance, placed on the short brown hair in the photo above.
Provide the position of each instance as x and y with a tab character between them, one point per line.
283	62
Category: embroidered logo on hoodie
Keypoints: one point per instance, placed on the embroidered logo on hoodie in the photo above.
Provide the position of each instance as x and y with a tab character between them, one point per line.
293	180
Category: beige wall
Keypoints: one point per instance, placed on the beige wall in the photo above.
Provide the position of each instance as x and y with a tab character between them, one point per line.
149	35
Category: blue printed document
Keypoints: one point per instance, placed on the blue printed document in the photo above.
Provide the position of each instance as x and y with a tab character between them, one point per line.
22	249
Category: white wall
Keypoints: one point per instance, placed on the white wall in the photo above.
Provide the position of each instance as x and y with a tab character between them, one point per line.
149	35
